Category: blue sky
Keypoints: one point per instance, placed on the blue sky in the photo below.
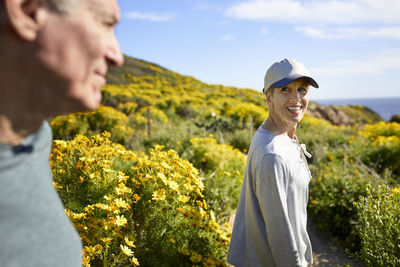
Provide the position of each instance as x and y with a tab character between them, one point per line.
351	47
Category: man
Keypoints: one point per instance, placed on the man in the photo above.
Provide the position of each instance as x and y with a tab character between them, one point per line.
54	57
271	222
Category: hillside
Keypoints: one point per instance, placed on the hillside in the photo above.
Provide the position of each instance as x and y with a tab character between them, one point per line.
135	67
337	115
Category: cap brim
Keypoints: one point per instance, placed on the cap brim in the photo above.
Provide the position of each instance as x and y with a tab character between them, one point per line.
291	78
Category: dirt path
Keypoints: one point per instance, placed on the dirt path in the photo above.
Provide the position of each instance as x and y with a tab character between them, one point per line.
325	252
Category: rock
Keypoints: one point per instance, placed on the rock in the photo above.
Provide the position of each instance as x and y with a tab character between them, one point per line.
343	115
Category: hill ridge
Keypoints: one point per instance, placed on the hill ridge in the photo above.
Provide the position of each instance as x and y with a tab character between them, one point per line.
134	67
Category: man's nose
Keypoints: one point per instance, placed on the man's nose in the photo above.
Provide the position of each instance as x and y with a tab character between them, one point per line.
114	54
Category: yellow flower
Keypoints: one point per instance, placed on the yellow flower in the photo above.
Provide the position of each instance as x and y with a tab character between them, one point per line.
173	185
209	262
121	203
159	195
57	186
195	257
183	199
162	177
134	261
129	242
122	177
127	251
86	261
136	197
396	190
106	240
122	189
120	220
184	251
78	216
91	250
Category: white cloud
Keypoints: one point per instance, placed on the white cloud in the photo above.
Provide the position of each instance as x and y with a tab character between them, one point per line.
149	16
371	66
317	11
392	32
388	32
227	37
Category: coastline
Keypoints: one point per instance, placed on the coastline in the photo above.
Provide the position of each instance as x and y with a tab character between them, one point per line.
386	107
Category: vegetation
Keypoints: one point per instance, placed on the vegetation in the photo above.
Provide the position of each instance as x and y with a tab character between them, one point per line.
153	175
379	227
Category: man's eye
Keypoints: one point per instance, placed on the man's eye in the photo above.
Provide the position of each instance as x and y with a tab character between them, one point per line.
109	24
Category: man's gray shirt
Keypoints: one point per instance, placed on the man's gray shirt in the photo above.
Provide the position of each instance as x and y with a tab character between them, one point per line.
34	230
271	221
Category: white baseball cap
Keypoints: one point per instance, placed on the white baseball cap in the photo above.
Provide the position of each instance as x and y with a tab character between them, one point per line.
284	72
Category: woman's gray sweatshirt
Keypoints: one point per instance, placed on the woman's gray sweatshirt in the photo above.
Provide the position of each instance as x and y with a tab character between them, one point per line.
271	221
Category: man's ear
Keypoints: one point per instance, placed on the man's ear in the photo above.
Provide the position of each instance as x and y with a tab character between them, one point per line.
22	16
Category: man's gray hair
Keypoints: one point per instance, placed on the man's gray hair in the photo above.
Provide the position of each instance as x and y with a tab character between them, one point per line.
62	6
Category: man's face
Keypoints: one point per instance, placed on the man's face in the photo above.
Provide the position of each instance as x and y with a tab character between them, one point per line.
75	50
289	103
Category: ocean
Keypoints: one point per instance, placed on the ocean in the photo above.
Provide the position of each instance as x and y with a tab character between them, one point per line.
385	107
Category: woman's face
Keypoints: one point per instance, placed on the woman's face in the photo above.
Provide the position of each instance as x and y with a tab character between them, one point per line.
288	104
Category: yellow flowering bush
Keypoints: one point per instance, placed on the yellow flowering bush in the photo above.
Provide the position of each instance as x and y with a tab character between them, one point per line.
372	131
308	121
223	168
127	108
244	112
385	150
102	119
67	126
382	149
133	208
155	114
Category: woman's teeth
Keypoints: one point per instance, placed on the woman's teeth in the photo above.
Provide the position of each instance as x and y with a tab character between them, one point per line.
294	108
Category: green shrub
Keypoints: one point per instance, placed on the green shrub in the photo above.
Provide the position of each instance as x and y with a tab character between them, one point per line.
384	154
240	139
338	183
395	118
381	148
379	227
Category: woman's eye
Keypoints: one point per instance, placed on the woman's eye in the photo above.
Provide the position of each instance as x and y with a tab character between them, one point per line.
284	89
302	89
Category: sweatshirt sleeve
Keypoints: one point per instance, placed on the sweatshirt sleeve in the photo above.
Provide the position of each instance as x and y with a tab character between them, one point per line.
271	186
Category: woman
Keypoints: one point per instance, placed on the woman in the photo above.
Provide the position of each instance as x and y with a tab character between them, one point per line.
271	222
